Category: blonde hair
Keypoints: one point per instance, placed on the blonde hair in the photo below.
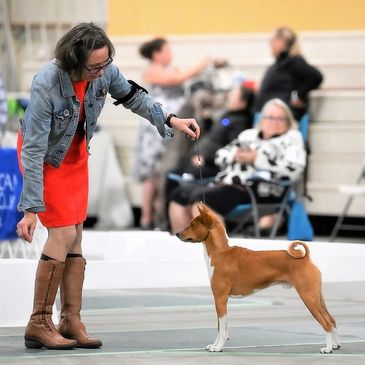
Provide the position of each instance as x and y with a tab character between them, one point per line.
292	123
290	38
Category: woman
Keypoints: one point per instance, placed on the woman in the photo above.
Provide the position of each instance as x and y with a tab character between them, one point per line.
67	96
166	85
290	78
275	146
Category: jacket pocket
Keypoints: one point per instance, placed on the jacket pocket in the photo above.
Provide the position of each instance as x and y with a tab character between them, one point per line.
100	97
62	119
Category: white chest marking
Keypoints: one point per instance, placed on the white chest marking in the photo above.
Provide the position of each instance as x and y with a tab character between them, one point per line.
210	268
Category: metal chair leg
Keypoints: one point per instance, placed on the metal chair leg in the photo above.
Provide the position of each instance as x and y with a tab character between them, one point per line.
340	219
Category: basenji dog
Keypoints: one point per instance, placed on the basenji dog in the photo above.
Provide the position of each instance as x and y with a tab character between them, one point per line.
237	271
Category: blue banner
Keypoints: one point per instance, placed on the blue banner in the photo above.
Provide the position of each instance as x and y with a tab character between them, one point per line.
11	182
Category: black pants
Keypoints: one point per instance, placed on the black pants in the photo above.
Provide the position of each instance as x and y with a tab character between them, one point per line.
222	198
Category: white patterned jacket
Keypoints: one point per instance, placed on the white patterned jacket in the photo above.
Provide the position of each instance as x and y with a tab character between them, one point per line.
281	157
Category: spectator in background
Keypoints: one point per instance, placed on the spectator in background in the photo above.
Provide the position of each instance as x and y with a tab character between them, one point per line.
3	107
66	99
275	146
290	78
237	117
165	83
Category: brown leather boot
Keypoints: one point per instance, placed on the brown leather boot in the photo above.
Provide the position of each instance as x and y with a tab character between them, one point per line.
40	331
71	298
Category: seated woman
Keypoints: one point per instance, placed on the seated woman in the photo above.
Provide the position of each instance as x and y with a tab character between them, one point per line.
275	146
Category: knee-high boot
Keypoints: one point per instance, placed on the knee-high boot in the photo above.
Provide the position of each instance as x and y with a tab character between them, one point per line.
71	299
40	331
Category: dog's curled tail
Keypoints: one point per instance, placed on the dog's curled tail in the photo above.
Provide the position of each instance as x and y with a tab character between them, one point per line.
298	253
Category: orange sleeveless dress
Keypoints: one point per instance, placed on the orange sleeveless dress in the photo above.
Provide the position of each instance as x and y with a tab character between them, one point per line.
66	188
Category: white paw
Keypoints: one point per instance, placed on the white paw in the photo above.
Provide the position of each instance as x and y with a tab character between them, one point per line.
326	350
213	348
336	347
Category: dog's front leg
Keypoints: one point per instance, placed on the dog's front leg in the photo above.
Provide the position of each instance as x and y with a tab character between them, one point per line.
222	336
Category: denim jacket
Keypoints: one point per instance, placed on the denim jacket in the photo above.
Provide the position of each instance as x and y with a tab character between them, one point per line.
52	116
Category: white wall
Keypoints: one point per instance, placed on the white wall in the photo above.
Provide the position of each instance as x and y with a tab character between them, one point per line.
123	260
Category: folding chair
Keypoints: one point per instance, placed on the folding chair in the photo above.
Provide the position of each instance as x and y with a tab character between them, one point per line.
244	213
353	190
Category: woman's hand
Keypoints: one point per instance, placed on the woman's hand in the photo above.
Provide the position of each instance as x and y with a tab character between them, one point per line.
188	126
26	227
245	156
297	103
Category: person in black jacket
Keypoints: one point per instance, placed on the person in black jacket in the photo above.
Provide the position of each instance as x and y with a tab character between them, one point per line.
290	78
237	117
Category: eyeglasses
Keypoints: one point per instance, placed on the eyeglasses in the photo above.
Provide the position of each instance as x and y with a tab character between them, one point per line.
273	118
95	70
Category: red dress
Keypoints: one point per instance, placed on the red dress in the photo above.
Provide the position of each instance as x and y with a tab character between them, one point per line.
66	188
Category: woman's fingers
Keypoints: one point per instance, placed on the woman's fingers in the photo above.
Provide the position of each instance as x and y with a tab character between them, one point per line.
193	130
26	232
196	127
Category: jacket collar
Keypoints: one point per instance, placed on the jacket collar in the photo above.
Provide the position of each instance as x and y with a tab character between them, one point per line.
282	56
66	83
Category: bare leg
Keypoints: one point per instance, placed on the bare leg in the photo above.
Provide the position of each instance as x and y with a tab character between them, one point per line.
148	194
76	246
195	212
267	221
59	242
179	216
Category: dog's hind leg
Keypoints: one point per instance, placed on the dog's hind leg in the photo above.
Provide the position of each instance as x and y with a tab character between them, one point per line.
324	308
314	304
222	336
309	288
336	345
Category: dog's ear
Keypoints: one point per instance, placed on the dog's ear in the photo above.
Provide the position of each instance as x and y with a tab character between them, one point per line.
201	208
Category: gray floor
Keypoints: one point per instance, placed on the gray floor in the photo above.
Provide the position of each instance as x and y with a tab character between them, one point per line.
172	326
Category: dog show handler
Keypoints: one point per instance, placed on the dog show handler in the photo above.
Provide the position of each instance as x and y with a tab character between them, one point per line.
66	99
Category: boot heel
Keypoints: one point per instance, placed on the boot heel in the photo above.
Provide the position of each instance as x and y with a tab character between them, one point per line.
31	344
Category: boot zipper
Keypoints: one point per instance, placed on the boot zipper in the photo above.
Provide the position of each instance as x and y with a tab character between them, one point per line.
44	319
